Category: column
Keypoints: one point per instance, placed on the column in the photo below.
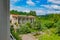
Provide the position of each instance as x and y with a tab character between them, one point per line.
4	20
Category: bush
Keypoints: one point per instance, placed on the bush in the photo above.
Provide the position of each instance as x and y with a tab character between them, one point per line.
58	28
49	37
15	35
53	30
11	28
24	29
58	31
37	25
49	25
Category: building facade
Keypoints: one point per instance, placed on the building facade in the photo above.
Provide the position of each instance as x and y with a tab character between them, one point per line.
17	20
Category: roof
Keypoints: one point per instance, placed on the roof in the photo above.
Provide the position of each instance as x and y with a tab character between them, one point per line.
15	15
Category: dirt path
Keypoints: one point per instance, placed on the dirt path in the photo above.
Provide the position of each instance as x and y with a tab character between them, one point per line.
28	37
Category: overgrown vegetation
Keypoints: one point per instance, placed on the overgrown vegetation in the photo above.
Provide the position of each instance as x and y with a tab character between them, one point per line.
49	23
49	37
15	35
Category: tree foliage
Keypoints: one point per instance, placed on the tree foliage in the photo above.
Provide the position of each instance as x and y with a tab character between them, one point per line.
33	13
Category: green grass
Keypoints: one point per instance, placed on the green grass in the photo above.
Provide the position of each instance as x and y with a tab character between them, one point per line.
49	37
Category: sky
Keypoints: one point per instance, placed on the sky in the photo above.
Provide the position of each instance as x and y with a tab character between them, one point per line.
41	7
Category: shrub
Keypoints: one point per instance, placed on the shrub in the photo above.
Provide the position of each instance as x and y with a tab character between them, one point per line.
49	37
24	29
58	28
15	35
49	25
58	31
37	25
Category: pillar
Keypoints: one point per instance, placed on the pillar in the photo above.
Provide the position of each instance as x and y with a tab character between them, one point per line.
4	20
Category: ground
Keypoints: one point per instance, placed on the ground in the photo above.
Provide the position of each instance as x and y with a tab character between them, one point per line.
28	37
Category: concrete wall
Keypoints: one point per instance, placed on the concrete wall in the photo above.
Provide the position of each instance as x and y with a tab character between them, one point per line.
4	20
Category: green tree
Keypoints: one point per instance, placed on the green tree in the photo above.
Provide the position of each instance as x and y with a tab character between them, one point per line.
33	13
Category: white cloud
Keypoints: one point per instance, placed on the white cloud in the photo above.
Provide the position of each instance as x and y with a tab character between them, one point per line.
54	1
52	11
40	12
51	7
47	6
14	0
29	2
37	1
19	8
55	7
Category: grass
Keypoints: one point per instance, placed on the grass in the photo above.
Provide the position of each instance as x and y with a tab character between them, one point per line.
49	37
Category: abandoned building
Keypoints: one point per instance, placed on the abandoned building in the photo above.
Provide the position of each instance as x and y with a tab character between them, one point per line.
17	20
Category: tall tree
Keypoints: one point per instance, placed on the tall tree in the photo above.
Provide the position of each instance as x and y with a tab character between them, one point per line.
33	13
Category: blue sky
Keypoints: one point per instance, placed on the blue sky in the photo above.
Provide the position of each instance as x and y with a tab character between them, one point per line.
41	7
